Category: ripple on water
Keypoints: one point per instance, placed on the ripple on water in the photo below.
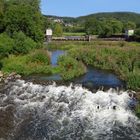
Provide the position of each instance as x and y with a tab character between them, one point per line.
65	113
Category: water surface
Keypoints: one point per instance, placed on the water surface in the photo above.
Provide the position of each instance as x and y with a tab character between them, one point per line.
35	112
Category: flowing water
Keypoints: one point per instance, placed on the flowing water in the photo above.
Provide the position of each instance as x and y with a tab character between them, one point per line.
93	78
35	112
55	55
50	112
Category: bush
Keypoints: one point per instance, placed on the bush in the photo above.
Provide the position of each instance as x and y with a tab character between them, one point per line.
27	64
6	45
22	43
40	56
133	81
15	64
70	68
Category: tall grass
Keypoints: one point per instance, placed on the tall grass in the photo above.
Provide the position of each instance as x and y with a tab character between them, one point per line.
33	63
119	56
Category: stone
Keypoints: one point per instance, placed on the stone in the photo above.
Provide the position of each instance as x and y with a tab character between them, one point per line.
5	81
17	76
1	74
12	74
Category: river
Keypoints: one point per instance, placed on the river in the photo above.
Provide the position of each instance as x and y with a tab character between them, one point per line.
30	111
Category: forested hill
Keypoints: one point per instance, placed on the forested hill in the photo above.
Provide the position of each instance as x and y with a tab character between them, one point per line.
122	16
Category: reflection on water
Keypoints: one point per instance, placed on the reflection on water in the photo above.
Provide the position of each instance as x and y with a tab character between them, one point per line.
99	78
55	55
93	77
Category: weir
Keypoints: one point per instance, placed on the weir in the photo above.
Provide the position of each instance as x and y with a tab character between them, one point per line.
35	112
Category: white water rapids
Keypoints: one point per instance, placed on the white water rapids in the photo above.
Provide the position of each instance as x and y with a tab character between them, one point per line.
52	112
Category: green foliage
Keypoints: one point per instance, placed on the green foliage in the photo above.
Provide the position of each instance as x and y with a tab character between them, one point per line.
104	27
120	57
27	64
1	15
138	109
73	34
6	45
58	31
70	67
129	25
92	26
124	62
22	43
23	16
40	56
121	16
137	33
133	81
102	24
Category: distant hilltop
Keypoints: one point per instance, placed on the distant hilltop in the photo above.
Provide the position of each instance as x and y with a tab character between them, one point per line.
122	16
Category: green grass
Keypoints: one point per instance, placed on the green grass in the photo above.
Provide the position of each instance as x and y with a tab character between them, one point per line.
33	63
73	34
70	67
119	56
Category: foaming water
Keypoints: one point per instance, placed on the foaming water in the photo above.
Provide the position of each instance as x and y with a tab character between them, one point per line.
36	112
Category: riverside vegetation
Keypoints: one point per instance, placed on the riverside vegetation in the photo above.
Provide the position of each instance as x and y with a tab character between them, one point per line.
22	50
122	58
119	57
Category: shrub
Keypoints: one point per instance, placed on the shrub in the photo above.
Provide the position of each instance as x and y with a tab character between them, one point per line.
40	56
6	45
133	81
14	64
32	63
22	43
70	68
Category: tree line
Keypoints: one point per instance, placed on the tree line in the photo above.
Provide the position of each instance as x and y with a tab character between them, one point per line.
24	16
102	24
107	27
21	27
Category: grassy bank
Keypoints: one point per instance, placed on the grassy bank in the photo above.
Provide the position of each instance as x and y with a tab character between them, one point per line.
121	57
33	63
38	62
73	34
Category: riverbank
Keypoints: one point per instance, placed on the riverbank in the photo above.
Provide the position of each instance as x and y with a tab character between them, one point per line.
6	79
122	57
119	57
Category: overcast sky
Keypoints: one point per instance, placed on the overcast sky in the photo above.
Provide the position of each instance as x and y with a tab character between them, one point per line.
75	8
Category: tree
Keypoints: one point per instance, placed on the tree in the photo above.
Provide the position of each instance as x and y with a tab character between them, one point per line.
103	27
6	45
2	7
129	25
22	43
92	26
137	33
58	31
24	16
111	27
117	26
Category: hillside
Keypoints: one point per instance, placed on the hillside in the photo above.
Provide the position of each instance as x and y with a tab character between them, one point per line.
122	16
65	19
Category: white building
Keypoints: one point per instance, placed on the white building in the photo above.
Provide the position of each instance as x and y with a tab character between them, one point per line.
49	33
129	33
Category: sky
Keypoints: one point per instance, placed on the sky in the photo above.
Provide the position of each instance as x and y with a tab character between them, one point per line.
75	8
